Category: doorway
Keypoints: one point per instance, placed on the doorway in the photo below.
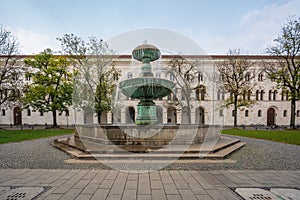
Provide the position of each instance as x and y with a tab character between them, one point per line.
17	116
271	117
200	116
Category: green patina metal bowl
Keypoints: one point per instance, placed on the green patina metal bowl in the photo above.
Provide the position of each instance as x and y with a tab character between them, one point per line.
146	53
149	88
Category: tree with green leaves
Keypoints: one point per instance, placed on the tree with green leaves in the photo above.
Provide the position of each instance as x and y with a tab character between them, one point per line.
97	75
237	74
52	83
286	69
10	72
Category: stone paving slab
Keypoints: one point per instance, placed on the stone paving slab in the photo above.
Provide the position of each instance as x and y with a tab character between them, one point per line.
112	184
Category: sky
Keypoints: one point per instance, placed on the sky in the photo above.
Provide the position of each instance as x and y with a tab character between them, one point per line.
216	25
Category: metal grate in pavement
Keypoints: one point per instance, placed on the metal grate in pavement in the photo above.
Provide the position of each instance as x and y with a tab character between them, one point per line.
268	194
21	193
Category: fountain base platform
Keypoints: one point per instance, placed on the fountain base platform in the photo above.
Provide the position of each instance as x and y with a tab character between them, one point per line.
92	142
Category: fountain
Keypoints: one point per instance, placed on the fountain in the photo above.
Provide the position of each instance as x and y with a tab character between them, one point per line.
146	133
146	88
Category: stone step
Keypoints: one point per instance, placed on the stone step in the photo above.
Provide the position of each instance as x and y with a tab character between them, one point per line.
222	149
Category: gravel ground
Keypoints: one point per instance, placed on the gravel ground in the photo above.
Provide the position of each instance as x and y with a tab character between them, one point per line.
256	154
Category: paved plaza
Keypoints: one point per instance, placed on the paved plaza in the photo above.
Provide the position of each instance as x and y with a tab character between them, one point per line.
111	184
260	170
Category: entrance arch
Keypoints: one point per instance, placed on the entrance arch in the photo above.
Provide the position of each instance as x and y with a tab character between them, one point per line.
171	115
200	116
17	116
130	115
271	117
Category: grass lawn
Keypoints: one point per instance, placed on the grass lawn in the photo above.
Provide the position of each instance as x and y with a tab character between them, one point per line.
7	136
286	136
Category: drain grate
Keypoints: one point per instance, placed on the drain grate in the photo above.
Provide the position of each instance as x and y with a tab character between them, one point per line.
260	196
22	193
268	194
16	196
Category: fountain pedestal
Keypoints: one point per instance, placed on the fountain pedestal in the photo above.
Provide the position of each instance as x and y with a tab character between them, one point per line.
146	113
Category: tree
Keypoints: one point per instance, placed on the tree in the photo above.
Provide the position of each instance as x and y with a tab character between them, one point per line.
10	73
52	83
286	70
237	74
185	74
97	73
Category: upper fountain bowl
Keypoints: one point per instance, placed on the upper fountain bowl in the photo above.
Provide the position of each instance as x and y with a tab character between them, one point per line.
146	53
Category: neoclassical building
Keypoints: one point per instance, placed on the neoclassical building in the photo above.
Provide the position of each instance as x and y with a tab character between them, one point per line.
270	104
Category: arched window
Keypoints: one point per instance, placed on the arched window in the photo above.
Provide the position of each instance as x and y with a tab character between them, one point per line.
41	113
262	95
171	77
247	77
200	77
232	113
270	95
285	113
274	95
257	95
157	75
260	76
129	75
116	76
3	112
246	113
221	94
298	113
200	93
249	95
259	113
284	95
67	113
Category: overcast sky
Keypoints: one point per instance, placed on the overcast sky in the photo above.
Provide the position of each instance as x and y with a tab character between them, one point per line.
216	25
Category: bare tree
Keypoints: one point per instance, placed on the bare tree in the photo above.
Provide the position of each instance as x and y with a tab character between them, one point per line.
237	74
186	76
10	73
286	70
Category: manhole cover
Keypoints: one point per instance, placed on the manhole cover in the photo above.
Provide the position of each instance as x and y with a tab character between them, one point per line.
20	193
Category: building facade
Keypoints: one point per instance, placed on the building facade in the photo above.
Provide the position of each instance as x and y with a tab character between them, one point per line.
270	104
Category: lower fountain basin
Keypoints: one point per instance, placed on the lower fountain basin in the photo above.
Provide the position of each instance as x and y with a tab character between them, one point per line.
143	135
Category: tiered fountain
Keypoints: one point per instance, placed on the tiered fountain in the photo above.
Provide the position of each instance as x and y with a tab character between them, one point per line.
146	88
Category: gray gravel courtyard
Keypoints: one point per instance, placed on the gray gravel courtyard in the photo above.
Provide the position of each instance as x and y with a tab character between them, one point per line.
256	154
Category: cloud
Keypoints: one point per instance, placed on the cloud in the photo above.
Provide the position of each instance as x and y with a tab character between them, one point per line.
32	42
256	30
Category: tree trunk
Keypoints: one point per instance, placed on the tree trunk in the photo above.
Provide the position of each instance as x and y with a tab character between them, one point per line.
54	118
99	117
235	111
293	114
189	111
